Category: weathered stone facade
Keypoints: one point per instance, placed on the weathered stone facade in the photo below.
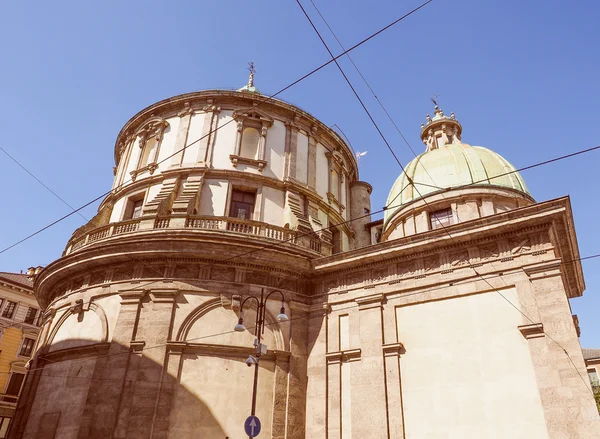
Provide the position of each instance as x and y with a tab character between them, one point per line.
442	332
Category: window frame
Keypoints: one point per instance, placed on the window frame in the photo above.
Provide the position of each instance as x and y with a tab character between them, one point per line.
22	345
13	311
152	129
3	429
129	208
35	315
438	222
260	121
8	384
235	190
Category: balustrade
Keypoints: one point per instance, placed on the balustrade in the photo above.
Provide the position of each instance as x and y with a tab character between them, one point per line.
211	223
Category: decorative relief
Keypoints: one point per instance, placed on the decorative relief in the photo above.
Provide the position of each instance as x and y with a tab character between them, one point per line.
223	274
186	271
285	283
430	263
122	274
330	285
257	277
519	245
489	251
97	278
380	274
460	258
405	270
153	271
355	278
76	283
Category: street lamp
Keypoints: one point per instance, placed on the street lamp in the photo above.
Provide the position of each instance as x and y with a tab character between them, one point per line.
259	330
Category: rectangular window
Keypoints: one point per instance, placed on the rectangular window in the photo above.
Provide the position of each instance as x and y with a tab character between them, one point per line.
27	347
31	315
593	375
4	423
336	238
441	218
40	319
134	207
242	204
14	385
9	309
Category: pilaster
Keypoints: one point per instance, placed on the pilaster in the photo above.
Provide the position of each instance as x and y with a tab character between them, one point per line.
368	376
182	135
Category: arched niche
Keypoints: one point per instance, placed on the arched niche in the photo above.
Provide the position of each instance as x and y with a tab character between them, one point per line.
212	369
211	323
78	327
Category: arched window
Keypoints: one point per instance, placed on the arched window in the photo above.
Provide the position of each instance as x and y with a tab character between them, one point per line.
149	152
149	136
250	143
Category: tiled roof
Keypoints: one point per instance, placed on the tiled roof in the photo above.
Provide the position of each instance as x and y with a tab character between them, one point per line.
17	278
588	354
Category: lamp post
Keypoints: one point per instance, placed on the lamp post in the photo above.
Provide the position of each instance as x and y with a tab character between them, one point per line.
259	330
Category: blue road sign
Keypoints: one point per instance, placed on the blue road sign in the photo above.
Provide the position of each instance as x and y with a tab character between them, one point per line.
252	426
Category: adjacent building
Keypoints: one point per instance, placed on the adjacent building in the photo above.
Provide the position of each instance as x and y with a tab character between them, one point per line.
20	318
449	318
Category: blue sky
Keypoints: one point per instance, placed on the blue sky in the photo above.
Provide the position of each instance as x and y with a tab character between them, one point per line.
520	76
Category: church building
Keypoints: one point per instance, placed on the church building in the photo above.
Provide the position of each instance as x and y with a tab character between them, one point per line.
449	318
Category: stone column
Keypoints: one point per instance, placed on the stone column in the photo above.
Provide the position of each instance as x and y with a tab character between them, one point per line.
211	139
393	385
312	159
292	150
282	369
109	383
368	377
316	387
139	406
297	383
168	388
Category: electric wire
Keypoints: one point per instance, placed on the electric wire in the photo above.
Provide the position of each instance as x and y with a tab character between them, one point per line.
354	305
264	99
411	182
570	155
40	181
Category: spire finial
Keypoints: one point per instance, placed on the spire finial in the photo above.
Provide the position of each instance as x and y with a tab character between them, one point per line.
252	70
434	99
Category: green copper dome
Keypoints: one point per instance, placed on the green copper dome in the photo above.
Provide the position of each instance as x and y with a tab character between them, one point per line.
450	166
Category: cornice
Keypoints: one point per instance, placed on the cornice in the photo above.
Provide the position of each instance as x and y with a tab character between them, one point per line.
486	229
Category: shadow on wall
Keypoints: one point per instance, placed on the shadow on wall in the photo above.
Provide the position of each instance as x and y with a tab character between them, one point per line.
107	390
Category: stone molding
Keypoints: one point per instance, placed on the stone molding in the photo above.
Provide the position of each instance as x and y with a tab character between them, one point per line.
543	270
535	330
393	349
219	350
450	259
137	346
368	302
96	349
345	356
163	295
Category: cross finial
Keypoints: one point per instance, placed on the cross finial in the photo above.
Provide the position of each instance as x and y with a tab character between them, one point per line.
252	71
434	99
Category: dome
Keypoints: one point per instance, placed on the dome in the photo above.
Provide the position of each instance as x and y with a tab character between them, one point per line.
449	163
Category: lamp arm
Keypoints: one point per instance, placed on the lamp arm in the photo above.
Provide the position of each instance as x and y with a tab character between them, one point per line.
275	291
